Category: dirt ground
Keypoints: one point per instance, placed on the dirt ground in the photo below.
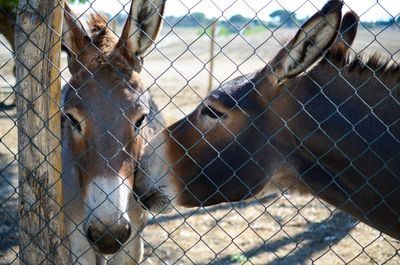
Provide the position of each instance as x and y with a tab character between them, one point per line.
281	229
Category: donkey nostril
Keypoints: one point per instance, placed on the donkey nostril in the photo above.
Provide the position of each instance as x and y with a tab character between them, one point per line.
128	232
89	234
108	239
93	234
121	232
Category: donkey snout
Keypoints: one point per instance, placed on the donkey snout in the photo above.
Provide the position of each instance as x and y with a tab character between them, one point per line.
108	239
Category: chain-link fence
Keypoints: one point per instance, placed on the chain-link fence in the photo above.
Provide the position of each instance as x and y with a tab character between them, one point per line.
166	160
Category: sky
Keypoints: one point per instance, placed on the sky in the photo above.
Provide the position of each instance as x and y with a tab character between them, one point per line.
368	10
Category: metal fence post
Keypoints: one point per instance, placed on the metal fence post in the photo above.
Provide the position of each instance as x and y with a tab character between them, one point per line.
38	49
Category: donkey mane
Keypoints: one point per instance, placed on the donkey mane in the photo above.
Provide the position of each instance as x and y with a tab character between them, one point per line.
102	37
105	54
341	57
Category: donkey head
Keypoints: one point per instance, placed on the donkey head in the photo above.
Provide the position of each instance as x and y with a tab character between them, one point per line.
225	150
106	109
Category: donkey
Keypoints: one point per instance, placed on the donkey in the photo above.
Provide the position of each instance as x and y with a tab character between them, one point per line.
326	125
107	117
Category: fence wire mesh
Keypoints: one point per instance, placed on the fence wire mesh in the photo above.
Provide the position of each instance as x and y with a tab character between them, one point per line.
158	125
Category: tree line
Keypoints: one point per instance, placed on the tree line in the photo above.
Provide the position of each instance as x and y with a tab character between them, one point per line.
278	18
235	23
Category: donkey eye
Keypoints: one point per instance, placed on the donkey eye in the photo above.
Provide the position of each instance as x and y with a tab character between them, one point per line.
74	122
211	112
139	122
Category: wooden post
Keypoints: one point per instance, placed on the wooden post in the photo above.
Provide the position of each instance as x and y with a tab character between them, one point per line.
38	50
212	48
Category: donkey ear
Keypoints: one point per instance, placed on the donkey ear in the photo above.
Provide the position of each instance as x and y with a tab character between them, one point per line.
311	41
347	32
142	27
74	38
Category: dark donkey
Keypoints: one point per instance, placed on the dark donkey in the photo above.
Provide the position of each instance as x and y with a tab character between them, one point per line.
108	117
331	130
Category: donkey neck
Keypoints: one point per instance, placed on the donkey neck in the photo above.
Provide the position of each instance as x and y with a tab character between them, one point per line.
346	128
337	100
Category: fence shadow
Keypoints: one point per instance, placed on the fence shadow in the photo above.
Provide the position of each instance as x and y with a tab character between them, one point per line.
5	107
8	112
8	203
184	214
318	238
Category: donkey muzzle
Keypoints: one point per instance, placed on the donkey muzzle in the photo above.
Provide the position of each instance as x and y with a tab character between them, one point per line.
156	202
108	239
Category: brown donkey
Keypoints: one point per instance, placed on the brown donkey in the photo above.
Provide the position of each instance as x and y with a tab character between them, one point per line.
108	115
330	128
